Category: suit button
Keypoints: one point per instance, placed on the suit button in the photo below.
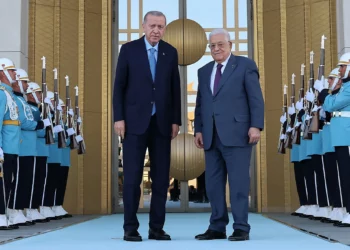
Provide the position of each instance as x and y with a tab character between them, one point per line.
152	102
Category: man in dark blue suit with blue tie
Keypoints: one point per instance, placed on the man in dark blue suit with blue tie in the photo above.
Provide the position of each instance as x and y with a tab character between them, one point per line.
147	114
229	116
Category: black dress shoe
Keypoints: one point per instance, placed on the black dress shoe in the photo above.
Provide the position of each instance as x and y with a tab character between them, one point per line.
211	235
132	236
55	218
11	227
67	216
327	220
239	235
339	224
158	235
42	220
295	214
27	223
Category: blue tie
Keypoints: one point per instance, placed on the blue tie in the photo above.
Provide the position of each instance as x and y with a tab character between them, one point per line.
152	63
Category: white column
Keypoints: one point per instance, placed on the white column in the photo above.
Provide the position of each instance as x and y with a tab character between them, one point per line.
343	26
14	21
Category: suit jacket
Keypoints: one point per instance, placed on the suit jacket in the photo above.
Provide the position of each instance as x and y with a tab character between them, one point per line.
237	105
135	91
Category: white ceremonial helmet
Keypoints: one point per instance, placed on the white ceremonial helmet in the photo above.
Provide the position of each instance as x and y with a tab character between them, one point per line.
21	75
7	64
32	89
50	95
334	74
61	103
345	60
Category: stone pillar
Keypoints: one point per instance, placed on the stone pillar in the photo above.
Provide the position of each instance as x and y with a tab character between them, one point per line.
14	26
343	22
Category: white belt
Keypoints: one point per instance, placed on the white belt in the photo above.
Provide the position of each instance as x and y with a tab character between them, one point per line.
341	114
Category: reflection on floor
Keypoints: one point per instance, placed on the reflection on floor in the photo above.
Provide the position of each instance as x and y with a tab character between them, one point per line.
106	233
40	228
327	231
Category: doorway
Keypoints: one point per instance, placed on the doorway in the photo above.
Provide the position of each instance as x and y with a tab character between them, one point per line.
233	15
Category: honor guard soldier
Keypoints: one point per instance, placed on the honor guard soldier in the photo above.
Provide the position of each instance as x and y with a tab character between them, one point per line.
34	96
54	163
299	168
21	195
329	156
314	150
308	171
9	137
63	172
338	103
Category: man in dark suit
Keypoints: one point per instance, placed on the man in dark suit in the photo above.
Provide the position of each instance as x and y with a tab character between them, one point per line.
147	114
229	116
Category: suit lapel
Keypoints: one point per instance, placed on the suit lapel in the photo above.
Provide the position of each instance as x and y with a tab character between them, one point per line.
144	58
208	76
230	67
160	59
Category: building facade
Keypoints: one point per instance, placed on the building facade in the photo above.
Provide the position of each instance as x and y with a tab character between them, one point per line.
82	39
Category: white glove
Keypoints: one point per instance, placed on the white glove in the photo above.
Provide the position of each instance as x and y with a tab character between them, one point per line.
291	110
299	104
283	118
70	112
79	138
319	85
310	96
70	131
297	124
57	129
289	129
47	101
79	119
59	108
315	108
282	137
308	117
1	155
46	122
322	113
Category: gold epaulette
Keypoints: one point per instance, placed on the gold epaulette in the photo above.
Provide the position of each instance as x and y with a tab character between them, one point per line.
2	87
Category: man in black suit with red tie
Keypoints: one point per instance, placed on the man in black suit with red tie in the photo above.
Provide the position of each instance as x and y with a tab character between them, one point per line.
147	114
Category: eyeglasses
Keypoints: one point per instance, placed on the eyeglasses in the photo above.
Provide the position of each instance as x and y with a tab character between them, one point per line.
220	45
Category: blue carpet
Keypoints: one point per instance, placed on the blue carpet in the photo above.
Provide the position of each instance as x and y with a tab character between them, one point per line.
107	233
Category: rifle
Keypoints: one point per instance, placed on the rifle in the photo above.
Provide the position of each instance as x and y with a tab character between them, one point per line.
289	136
281	144
315	122
69	119
307	135
45	111
297	129
79	137
61	134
